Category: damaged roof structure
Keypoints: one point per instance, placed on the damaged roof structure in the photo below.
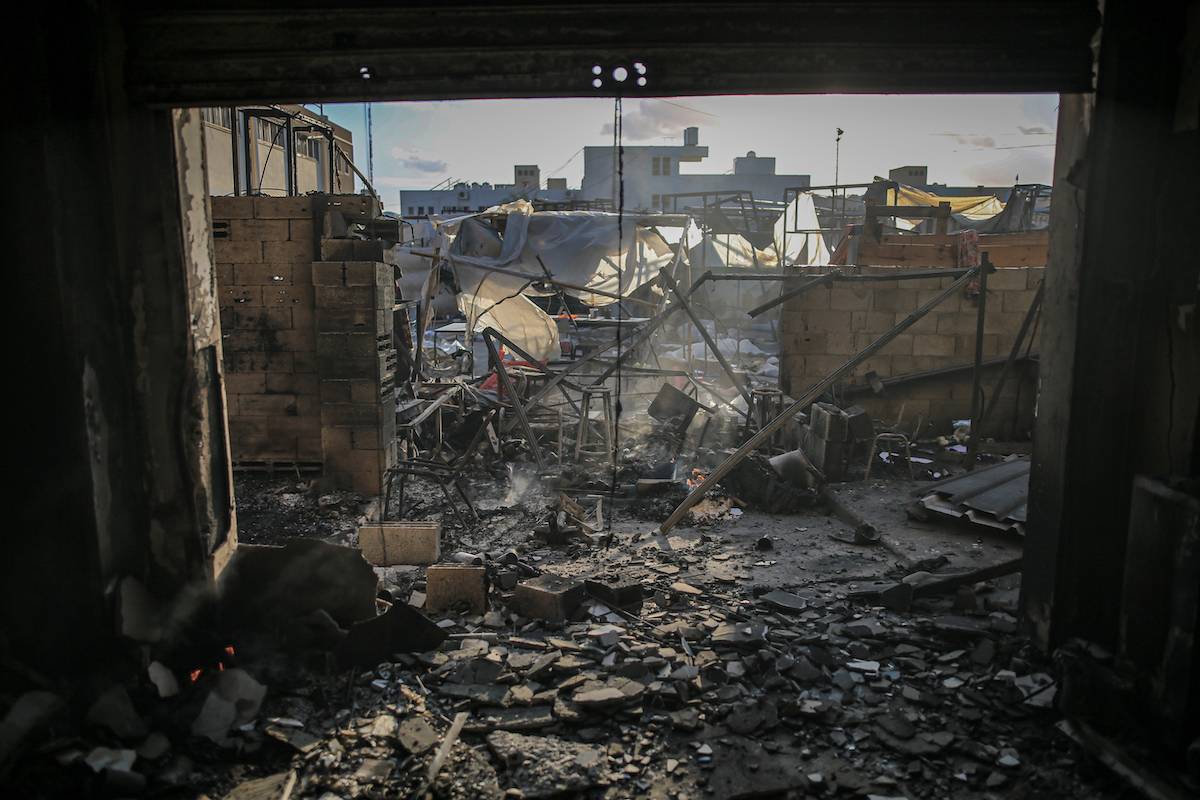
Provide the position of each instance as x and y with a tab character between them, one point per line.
755	497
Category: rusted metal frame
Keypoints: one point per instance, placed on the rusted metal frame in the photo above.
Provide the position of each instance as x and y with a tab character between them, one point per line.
1013	356
806	400
507	383
725	365
495	334
985	267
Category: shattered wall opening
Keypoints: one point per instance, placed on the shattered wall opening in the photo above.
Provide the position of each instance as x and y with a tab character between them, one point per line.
728	678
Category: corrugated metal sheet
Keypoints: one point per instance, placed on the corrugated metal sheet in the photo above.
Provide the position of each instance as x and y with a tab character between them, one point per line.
994	496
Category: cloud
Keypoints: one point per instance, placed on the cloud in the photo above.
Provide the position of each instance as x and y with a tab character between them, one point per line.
414	163
654	119
971	139
1036	130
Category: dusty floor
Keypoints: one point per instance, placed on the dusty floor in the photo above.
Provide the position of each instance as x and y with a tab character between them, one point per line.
715	688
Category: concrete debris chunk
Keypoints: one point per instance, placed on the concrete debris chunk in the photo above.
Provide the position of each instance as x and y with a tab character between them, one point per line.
543	767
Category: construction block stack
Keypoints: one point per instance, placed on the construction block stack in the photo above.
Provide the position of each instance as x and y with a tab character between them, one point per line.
263	248
356	361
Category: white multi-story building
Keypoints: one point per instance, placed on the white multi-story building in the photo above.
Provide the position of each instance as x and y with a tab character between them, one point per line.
651	175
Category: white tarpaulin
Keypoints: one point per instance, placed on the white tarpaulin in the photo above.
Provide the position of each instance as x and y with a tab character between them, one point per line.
807	249
585	249
730	250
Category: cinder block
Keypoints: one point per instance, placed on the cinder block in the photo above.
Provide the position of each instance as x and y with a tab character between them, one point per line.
300	230
1003	322
548	597
814	299
844	298
232	208
271	274
926	324
956	323
1008	279
265	405
233	296
871	321
1016	301
900	346
352	415
454	586
288	252
347	345
261	318
840	344
245	382
299	383
951	303
625	594
257	361
1034	276
385	544
932	345
826	321
283	207
809	342
224	274
368	482
288	295
232	251
259	230
345	296
894	300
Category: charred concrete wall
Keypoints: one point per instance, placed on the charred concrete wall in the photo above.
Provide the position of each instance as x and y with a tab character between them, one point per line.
264	248
308	342
826	325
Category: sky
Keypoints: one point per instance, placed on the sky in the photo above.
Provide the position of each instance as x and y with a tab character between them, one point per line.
964	139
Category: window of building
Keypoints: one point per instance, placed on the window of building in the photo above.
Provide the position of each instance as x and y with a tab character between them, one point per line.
313	147
666	165
410	211
222	116
268	131
654	201
420	209
656	166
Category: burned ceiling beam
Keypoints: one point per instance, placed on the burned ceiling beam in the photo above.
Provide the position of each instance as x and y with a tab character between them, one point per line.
185	54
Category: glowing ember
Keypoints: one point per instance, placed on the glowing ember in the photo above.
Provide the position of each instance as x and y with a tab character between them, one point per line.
698	476
229	650
195	674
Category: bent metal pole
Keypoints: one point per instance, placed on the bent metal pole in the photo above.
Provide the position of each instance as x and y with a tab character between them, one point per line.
806	400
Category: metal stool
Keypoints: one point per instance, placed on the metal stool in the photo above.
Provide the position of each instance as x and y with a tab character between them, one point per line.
585	445
895	438
768	404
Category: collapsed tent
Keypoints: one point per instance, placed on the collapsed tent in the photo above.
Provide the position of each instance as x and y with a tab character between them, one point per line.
971	207
500	258
797	234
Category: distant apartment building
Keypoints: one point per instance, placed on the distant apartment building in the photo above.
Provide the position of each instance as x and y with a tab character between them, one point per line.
465	197
276	150
651	175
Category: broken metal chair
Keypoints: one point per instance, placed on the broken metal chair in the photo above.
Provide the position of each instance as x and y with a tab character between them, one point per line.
444	473
890	438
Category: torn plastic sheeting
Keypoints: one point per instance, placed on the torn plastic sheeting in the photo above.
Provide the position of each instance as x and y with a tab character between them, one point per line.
807	249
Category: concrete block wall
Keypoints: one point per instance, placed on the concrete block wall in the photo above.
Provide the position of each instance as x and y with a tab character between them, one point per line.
309	359
263	248
823	327
357	366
